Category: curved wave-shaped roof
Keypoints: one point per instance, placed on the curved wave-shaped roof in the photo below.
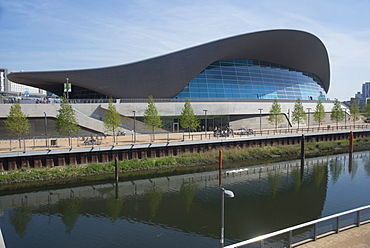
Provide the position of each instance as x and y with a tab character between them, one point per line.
167	75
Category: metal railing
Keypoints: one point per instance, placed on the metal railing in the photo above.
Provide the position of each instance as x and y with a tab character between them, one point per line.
317	229
212	135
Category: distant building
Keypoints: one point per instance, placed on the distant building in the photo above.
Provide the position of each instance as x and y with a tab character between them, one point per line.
8	87
358	95
366	90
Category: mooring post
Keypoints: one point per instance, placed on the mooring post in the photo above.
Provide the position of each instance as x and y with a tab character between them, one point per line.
220	167
116	189
116	168
222	197
351	142
302	150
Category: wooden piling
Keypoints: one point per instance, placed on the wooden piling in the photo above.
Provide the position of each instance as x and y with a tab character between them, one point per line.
220	167
351	145
116	168
302	150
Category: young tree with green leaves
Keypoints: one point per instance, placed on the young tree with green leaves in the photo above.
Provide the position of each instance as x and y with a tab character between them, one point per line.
17	122
337	114
151	118
354	112
275	116
319	115
298	114
66	122
112	119
367	110
187	118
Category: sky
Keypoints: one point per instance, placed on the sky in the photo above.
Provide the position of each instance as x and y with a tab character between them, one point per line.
43	35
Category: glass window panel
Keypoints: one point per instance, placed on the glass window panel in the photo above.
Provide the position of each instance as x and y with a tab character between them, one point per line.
267	79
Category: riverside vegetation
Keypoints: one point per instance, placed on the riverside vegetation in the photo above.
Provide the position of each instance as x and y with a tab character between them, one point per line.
170	165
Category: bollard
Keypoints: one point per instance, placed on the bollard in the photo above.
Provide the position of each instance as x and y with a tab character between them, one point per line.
351	145
220	167
116	168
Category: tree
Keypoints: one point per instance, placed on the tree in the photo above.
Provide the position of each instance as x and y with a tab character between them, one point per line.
17	122
298	114
337	114
275	116
112	119
354	112
151	118
319	115
66	122
187	118
367	110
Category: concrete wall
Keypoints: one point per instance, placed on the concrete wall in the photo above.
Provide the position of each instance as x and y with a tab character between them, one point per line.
91	115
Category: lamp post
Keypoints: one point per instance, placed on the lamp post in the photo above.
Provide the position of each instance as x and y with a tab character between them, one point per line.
134	126
228	194
345	118
260	120
205	121
308	109
46	130
67	88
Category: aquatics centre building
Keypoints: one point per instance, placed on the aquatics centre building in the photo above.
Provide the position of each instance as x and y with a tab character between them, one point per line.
232	80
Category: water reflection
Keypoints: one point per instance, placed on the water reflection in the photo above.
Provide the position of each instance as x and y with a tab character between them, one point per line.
154	198
20	217
336	168
188	191
184	211
114	206
69	210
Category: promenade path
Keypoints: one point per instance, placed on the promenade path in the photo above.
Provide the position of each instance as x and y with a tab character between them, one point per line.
356	237
39	144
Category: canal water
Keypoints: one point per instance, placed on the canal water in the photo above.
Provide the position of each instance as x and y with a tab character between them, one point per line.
184	211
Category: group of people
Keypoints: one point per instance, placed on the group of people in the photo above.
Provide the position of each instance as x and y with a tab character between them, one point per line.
223	133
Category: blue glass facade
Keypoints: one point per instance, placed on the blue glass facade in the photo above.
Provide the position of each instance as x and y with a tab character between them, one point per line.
248	79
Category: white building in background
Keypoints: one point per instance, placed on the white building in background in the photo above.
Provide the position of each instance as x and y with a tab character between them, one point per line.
8	87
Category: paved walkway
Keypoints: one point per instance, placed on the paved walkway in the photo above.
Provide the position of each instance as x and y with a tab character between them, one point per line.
7	146
357	237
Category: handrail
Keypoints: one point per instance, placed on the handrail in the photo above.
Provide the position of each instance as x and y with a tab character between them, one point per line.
314	222
2	242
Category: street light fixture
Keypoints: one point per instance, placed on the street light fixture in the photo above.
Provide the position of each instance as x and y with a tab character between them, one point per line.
228	194
134	125
308	109
205	121
260	120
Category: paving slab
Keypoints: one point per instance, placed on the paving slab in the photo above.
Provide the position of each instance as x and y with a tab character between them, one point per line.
356	237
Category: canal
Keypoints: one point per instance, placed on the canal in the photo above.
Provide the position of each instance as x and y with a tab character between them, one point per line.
184	210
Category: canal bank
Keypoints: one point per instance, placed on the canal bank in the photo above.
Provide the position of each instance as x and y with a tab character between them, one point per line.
190	161
93	154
